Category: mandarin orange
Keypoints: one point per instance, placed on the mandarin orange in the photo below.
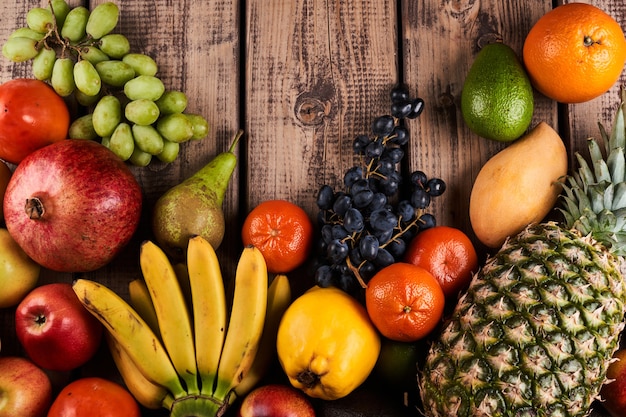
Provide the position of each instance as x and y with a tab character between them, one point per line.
448	254
282	231
404	301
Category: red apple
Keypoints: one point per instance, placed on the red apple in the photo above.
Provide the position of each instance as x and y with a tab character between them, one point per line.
25	390
72	206
613	394
276	400
54	328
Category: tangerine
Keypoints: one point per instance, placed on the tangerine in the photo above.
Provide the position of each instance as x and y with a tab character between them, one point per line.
574	53
448	254
282	231
404	301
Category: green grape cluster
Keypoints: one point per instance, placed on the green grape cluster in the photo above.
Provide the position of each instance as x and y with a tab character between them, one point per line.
128	107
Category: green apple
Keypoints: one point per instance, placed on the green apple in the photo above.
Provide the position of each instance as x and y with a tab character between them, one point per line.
18	273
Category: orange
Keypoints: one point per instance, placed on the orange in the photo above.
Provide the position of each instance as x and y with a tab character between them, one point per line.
282	231
574	53
448	254
404	301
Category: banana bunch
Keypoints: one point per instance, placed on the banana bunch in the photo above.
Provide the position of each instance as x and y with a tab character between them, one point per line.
175	342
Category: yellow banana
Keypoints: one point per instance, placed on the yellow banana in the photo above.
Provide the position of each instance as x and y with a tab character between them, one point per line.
131	332
278	299
171	311
245	324
140	300
148	394
180	268
209	308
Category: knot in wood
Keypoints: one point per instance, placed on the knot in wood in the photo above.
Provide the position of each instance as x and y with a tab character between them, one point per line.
445	100
311	111
464	9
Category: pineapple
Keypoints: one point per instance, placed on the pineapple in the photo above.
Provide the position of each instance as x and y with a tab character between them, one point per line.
537	328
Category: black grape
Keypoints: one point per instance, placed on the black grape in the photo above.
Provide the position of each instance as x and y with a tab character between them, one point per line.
325	197
368	224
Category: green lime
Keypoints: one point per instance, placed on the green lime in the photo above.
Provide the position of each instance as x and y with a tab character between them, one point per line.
497	98
397	363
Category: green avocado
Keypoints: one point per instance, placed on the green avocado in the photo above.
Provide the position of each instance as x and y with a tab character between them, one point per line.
497	98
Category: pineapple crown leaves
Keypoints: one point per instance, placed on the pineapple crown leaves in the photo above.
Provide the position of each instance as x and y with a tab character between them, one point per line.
595	195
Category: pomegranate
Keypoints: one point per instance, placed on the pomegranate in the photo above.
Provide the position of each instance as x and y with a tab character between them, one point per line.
72	206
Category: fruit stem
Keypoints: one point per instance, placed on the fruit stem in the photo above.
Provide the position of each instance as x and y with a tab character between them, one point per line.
198	406
356	273
308	378
238	135
588	41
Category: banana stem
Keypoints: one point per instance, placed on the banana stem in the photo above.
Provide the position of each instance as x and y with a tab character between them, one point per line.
198	406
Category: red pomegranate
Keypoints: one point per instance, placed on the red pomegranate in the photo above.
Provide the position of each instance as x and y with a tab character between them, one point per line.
72	206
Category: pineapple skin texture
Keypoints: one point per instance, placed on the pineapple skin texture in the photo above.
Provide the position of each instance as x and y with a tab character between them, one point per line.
533	335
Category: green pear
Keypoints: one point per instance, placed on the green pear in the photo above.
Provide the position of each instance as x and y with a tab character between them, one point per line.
194	207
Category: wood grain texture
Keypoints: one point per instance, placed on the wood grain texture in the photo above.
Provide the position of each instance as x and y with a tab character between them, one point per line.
303	78
317	73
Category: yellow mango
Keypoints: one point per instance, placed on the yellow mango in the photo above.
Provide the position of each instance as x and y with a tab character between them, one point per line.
518	186
326	343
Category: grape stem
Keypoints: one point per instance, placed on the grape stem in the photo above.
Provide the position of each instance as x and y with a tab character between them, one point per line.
355	271
50	41
402	231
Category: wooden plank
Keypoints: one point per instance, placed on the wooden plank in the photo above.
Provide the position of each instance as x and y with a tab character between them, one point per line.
317	74
440	42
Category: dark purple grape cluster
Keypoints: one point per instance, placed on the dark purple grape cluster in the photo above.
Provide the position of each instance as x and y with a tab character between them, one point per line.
368	225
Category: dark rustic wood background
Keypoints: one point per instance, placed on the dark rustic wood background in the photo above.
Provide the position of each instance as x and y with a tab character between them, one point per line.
303	78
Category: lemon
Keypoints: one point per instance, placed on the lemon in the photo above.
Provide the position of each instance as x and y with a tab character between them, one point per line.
497	98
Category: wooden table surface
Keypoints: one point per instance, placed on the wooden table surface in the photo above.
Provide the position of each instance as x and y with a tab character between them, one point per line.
303	78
